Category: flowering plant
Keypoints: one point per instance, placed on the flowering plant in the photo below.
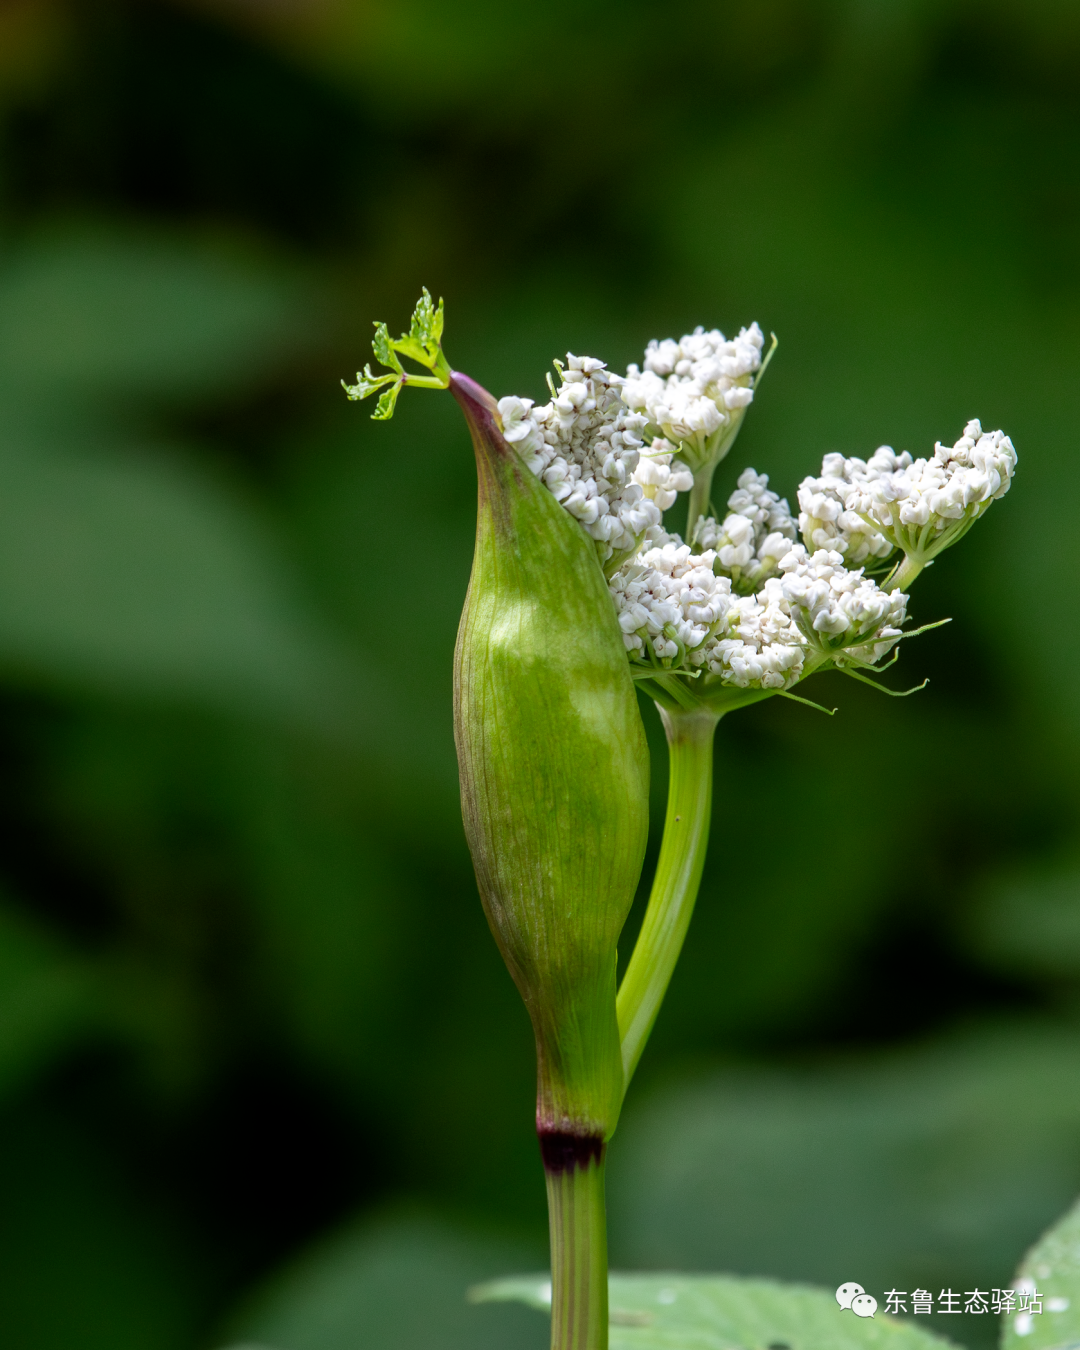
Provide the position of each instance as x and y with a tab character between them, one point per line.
579	593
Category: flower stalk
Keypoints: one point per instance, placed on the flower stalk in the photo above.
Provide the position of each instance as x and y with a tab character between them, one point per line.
905	572
690	736
700	499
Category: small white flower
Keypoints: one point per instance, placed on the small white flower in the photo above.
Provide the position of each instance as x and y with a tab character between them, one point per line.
661	477
761	646
677	609
742	605
519	427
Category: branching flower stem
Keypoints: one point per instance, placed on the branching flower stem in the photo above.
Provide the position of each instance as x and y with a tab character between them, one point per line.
700	498
678	875
904	573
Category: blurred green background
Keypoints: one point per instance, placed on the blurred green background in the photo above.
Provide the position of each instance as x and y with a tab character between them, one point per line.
263	1078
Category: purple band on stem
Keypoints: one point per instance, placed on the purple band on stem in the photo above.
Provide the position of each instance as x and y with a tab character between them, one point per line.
565	1152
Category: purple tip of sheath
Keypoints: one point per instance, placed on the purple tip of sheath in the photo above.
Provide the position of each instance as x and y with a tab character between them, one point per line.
473	397
480	409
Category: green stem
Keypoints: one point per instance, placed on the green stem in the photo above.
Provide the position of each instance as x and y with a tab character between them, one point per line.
675	886
904	574
579	1274
424	381
700	494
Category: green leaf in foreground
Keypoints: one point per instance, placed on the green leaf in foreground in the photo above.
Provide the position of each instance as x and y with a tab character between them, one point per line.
721	1312
1052	1266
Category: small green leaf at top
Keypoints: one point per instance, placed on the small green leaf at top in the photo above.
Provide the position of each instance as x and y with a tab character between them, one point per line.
384	409
422	344
366	383
1048	1279
425	331
383	347
723	1312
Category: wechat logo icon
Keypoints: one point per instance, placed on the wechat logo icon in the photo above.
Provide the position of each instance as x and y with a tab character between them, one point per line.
852	1297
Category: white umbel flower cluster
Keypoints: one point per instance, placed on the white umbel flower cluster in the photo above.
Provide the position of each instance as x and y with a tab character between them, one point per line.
669	601
867	508
695	388
677	612
763	647
838	607
743	604
755	534
585	445
826	522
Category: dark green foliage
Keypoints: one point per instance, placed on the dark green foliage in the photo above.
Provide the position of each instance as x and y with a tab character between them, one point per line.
247	985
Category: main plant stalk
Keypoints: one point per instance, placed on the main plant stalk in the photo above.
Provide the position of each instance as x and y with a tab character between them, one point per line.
574	1170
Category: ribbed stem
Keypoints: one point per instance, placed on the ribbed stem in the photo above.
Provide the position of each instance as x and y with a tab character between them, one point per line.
578	1226
699	498
904	574
675	886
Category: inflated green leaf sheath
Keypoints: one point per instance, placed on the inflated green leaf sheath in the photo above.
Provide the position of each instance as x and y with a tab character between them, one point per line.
554	772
